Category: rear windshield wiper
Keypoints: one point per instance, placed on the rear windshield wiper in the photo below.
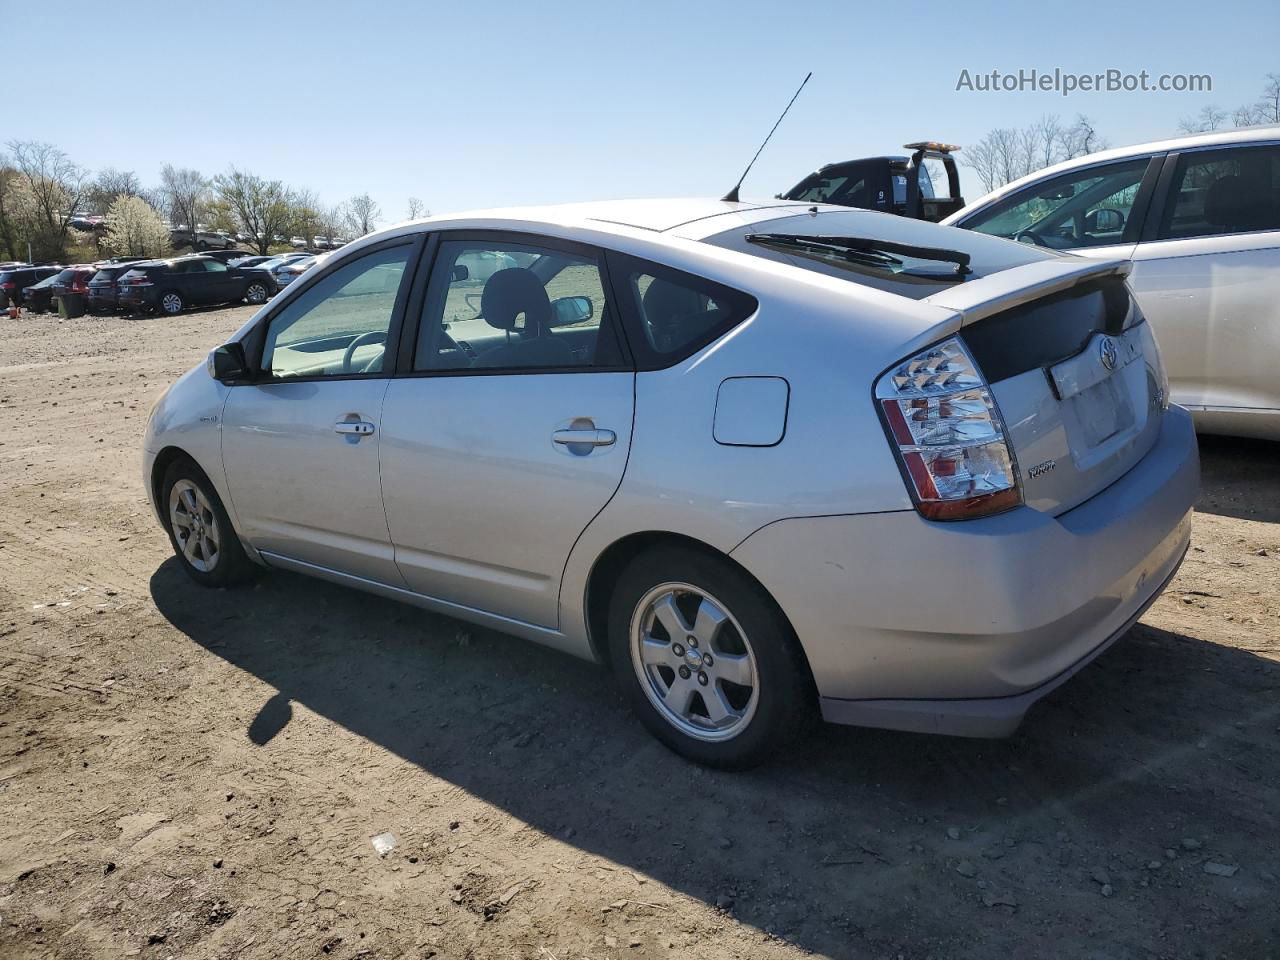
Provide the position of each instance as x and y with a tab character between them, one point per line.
868	251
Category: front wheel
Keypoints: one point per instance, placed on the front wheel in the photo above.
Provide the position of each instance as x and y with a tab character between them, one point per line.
708	661
199	528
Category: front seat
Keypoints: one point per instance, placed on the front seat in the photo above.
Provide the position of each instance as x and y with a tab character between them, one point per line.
508	294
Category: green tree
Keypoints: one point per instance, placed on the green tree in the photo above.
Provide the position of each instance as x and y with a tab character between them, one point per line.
263	207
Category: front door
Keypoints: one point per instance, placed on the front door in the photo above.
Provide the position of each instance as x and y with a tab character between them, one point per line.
301	445
510	430
223	285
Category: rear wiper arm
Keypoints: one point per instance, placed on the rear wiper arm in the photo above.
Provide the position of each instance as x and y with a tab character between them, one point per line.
867	247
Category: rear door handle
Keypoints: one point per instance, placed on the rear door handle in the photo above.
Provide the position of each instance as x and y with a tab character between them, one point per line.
591	438
356	428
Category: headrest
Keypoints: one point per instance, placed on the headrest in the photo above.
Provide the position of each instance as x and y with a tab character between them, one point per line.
1227	203
511	292
664	303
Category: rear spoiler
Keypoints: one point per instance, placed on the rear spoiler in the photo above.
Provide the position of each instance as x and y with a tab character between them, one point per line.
981	297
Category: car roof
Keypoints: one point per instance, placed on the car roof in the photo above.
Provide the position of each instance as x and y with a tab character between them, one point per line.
1244	135
657	215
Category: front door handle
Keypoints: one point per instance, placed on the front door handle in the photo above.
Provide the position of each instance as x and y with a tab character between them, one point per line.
590	438
353	428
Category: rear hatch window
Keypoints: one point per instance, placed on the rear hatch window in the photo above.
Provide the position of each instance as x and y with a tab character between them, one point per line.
908	257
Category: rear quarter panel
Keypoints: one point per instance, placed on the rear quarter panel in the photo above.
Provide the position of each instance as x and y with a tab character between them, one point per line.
829	339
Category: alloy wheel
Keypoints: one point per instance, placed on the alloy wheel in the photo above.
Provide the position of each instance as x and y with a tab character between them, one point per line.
694	662
256	293
171	303
195	526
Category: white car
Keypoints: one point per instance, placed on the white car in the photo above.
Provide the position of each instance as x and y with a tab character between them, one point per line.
1200	218
765	460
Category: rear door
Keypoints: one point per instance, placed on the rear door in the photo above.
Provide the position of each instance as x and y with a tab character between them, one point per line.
509	430
1208	276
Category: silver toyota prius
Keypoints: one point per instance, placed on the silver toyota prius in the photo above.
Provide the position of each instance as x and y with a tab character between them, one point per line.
767	461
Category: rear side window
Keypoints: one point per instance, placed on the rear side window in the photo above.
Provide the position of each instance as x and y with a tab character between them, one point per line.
1218	192
673	314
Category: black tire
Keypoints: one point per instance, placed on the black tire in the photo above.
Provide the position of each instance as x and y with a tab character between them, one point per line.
254	299
785	704
200	246
230	564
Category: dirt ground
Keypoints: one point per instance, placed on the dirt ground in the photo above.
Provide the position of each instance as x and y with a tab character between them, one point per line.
187	773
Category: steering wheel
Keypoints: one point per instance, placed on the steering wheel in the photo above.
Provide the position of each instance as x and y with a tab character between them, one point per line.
373	336
1022	236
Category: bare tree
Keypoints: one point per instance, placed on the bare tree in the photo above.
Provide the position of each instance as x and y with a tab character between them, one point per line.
263	207
364	213
54	185
417	209
332	220
1209	118
1008	153
1245	116
1267	110
185	191
306	214
1080	139
109	184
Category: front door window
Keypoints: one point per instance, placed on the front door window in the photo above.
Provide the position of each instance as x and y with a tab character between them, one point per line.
338	326
1084	208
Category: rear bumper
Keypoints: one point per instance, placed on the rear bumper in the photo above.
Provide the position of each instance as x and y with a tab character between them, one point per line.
960	627
978	716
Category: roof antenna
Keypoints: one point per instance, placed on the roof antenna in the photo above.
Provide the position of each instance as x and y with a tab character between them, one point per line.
732	195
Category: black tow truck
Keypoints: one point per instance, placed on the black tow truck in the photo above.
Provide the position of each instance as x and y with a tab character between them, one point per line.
898	184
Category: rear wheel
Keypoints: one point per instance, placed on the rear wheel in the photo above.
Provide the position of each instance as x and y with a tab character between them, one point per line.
256	292
707	660
171	302
199	528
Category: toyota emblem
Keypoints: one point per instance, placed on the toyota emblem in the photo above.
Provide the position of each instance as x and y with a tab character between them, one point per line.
1108	353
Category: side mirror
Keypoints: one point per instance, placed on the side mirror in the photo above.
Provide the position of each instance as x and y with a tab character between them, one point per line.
1104	220
459	273
227	363
569	310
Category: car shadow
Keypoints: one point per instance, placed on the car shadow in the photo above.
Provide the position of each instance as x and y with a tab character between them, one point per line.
851	843
1240	478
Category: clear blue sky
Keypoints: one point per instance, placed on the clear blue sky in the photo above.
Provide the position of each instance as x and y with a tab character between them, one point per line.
470	104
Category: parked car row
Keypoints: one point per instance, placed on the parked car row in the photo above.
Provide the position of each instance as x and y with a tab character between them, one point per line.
169	285
15	278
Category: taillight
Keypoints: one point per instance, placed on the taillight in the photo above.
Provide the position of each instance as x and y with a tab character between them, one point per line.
950	438
8	285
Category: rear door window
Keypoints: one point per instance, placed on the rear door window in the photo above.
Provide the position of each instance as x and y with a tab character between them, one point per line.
1217	192
672	314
